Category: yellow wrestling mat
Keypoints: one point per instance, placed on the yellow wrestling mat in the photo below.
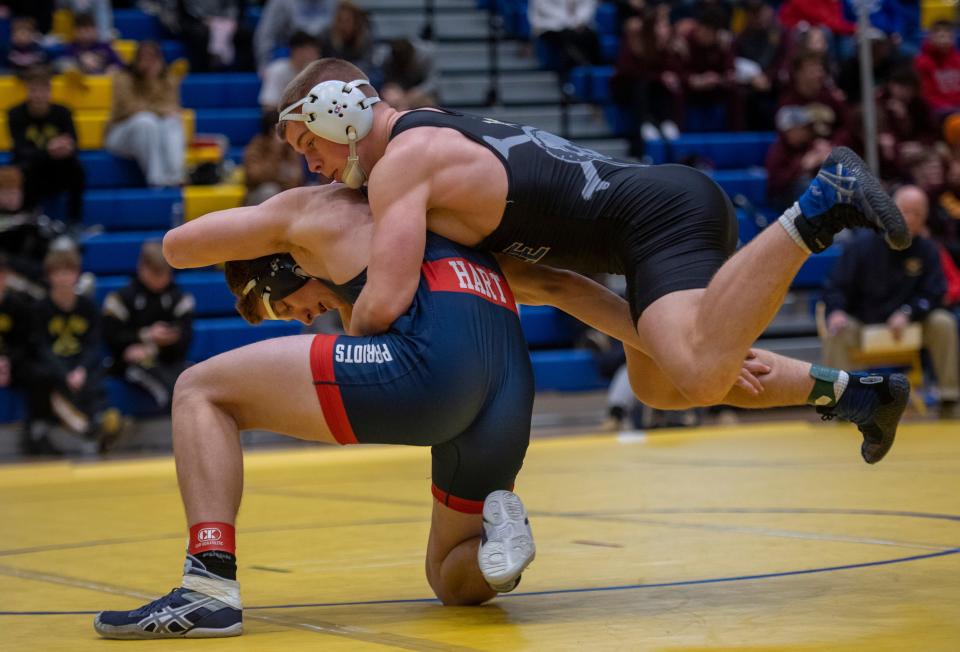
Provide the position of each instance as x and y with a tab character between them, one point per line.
760	537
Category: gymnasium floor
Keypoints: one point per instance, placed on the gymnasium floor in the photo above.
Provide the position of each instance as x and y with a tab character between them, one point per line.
754	537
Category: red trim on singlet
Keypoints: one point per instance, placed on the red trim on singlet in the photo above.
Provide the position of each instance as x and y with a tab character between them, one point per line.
328	392
456	504
460	275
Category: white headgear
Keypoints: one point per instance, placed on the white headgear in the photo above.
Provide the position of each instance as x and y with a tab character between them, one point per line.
339	112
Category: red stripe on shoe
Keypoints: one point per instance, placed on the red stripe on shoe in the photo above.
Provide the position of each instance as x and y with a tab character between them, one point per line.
461	275
456	504
328	392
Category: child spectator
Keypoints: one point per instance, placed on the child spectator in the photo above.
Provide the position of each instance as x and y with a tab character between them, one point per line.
811	87
25	50
148	327
938	66
66	375
45	146
409	76
101	12
87	53
269	164
145	121
794	157
349	37
280	72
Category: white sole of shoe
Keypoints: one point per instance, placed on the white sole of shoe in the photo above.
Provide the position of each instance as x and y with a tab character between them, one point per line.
509	547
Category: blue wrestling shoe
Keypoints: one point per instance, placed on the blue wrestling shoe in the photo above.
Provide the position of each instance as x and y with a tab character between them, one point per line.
875	403
507	545
206	606
845	194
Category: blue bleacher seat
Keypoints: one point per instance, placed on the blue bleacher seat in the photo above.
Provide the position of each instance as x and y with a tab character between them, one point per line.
173	50
609	47
600	83
115	253
130	400
607	20
703	118
104	170
131	209
214	298
214	336
545	326
566	371
816	269
12	406
724	150
239	125
580	79
751	183
136	25
230	90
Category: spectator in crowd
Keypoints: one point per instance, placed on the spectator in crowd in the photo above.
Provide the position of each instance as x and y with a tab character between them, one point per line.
214	33
709	72
873	284
794	157
87	53
350	37
758	48
40	11
944	222
938	66
926	170
66	374
409	76
45	146
801	42
281	18
101	12
24	235
269	164
148	327
280	72
906	126
627	9
825	13
25	51
646	82
14	331
810	87
565	30
145	121
886	59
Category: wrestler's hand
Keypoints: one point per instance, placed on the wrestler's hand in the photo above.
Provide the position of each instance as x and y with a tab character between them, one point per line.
749	379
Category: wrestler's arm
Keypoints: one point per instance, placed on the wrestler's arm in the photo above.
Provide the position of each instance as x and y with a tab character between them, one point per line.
574	294
399	189
234	234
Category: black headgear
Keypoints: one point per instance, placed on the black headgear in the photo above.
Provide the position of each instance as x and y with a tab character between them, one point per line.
274	277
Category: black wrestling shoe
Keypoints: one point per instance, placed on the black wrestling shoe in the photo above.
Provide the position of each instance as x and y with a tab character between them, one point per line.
845	194
874	402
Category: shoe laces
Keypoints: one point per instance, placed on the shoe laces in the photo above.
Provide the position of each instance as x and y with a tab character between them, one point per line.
159	603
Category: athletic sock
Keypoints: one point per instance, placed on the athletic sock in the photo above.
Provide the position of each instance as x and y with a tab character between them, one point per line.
828	385
214	545
788	222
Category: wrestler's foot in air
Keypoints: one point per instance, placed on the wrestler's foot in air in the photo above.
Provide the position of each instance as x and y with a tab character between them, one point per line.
206	606
845	194
507	547
875	402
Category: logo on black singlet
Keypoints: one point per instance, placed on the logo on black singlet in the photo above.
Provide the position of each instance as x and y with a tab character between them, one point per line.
523	252
562	150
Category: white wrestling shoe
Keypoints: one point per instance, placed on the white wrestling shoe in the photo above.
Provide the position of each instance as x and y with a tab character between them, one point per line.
507	546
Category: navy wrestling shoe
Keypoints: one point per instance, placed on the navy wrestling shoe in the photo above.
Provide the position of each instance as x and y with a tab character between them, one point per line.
506	547
845	194
874	402
206	606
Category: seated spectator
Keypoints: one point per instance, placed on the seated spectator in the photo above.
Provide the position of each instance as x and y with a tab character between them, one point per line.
24	235
269	164
758	48
280	72
215	34
796	14
14	331
45	146
145	120
99	10
873	284
944	222
646	82
811	87
886	59
565	30
148	327
794	157
66	374
906	127
803	41
708	71
409	76
25	51
281	18
938	66
87	53
349	37
39	11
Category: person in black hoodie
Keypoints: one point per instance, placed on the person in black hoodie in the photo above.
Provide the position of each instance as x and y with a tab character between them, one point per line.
148	326
14	331
66	375
45	146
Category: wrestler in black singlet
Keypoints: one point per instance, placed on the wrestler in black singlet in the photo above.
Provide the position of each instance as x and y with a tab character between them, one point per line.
666	227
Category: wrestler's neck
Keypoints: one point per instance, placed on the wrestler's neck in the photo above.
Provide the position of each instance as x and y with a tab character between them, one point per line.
375	144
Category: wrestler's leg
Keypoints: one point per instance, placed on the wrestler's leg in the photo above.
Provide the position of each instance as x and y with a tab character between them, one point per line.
452	569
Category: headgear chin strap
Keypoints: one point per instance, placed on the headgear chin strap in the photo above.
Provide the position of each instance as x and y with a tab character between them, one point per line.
339	112
274	277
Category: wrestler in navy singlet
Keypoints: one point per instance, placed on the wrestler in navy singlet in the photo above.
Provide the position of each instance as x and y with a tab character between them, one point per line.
666	227
453	373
